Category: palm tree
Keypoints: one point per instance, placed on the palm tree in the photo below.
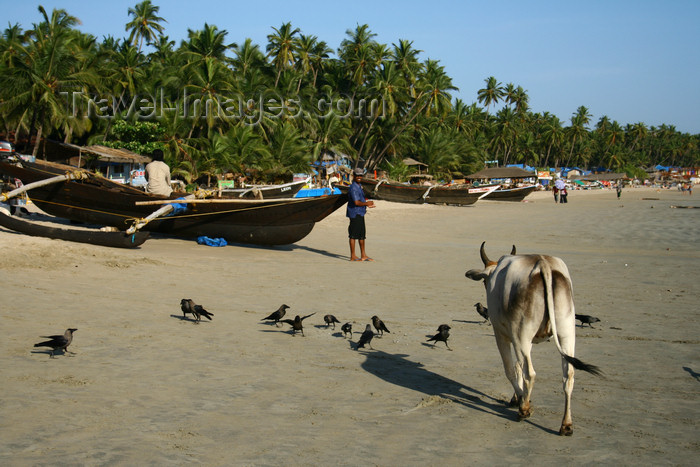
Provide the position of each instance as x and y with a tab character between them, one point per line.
246	149
12	45
282	47
50	67
437	147
406	58
145	23
290	150
208	42
553	135
506	133
319	56
209	81
436	84
578	130
247	57
521	100
491	94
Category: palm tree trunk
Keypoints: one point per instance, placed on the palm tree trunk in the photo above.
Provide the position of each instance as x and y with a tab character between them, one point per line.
376	160
39	131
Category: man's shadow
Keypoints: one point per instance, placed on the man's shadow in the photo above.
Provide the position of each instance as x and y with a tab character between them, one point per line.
398	369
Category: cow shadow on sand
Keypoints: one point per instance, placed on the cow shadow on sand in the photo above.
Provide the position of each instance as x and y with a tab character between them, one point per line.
399	370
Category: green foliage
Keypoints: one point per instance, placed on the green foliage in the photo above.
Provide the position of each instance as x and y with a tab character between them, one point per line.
635	172
140	137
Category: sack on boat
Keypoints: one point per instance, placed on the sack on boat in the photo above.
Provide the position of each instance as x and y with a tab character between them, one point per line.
203	240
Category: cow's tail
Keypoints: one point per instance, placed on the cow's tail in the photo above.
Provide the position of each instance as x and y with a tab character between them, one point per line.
546	272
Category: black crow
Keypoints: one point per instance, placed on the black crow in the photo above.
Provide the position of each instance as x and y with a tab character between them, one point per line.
330	319
277	315
442	335
297	323
189	306
482	310
365	338
58	341
347	329
587	319
379	325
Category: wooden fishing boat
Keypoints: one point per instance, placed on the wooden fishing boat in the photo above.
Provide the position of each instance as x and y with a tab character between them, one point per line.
96	200
510	194
458	195
92	236
286	190
394	191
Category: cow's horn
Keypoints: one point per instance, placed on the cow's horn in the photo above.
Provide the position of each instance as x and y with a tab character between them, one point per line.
512	252
484	258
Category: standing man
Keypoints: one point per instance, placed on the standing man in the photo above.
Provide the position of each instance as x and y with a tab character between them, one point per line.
158	175
356	210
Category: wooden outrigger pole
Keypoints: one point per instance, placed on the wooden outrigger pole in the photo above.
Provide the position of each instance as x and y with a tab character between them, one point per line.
76	175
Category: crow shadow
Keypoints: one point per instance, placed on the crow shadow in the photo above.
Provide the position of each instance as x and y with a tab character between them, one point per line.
187	318
399	370
432	346
468	322
692	373
48	352
271	323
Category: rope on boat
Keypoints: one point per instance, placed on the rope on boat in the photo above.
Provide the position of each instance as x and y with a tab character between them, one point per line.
130	220
427	192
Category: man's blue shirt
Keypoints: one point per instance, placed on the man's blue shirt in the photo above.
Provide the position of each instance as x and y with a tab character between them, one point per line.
355	193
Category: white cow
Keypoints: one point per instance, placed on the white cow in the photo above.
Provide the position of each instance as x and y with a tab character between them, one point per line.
530	299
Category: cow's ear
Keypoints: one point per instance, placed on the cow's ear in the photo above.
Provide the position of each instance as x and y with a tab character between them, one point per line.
476	274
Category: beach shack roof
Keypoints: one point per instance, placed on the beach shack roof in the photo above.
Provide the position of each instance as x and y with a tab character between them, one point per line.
106	154
601	177
410	161
501	172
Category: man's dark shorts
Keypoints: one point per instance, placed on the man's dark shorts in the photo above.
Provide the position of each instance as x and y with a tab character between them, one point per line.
356	229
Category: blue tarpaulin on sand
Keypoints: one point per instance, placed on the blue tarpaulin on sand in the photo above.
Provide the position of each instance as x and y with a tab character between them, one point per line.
203	240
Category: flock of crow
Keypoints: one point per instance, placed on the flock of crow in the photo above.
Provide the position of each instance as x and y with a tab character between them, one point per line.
188	306
330	320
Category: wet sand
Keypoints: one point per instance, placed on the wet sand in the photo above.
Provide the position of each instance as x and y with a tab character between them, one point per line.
148	387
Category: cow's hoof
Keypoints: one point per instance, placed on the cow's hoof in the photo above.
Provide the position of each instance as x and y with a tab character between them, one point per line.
566	430
514	402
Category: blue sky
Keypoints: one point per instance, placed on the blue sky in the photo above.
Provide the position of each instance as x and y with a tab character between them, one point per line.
631	60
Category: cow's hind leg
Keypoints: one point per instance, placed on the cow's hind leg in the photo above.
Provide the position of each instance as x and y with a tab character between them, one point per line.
513	372
528	378
567	426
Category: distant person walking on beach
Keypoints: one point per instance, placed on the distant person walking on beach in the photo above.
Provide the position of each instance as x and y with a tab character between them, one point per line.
556	194
356	210
563	197
619	190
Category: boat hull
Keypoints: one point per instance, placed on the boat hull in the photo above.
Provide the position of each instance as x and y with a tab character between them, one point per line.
100	201
288	190
510	194
454	195
396	192
93	237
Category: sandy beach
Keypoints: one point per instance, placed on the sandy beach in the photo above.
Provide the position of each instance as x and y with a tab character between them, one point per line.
146	387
